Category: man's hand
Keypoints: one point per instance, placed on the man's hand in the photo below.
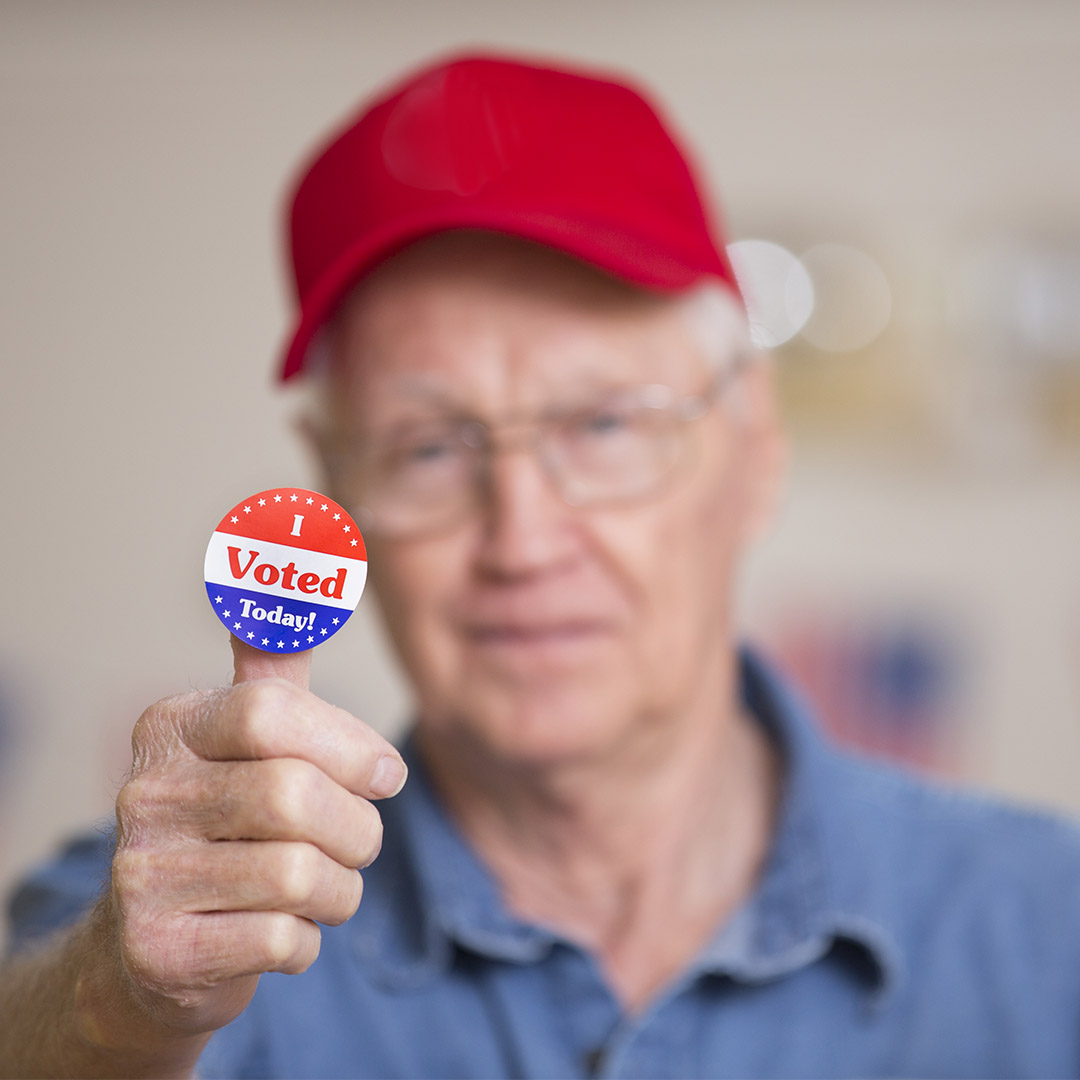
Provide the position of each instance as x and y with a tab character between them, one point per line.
242	826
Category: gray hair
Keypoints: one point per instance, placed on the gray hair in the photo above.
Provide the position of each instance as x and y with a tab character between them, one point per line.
718	323
719	326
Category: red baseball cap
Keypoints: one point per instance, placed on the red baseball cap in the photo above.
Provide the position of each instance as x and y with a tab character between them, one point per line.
568	158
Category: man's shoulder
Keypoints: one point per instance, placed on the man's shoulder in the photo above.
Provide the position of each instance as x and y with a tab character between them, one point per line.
954	846
955	812
896	841
61	890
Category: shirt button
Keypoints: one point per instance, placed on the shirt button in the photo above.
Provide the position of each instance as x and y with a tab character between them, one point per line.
594	1061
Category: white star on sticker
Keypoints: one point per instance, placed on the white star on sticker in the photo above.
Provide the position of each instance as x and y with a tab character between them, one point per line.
236	626
277	498
247	509
337	517
266	641
217	599
352	543
251	634
324	507
310	639
234	519
226	614
335	622
262	502
281	644
309	500
292	498
345	528
323	631
296	644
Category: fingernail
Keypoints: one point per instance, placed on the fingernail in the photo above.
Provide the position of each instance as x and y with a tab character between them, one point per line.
389	776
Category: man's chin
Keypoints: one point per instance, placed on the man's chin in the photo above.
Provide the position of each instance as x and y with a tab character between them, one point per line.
546	728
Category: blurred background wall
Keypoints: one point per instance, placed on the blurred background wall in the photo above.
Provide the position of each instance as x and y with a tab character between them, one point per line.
902	181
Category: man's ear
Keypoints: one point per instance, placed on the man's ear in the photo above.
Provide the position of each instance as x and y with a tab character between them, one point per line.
765	446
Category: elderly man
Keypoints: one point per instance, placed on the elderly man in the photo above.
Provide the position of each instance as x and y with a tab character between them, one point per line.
622	849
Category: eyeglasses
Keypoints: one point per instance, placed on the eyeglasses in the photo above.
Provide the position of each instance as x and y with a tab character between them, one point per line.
427	476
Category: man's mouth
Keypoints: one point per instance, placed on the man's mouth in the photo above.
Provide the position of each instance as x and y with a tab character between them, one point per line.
524	635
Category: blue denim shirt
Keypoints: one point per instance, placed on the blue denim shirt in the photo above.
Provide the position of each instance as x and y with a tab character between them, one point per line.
897	930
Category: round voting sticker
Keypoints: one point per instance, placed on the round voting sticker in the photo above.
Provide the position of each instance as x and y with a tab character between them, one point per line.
285	569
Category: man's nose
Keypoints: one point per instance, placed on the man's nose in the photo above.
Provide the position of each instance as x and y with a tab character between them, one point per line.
528	528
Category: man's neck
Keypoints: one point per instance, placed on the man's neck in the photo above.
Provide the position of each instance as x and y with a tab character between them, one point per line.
638	855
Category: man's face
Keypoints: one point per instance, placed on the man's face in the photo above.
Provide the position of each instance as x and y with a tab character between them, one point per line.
532	629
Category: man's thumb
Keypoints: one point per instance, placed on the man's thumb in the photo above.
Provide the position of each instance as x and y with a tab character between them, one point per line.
250	663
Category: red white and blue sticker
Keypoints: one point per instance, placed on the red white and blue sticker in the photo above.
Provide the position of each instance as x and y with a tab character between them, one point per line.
285	569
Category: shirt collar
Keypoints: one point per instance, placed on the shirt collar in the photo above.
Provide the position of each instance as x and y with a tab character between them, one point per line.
820	885
816	891
438	895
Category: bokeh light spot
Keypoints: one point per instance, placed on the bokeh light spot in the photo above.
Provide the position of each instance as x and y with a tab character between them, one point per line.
853	301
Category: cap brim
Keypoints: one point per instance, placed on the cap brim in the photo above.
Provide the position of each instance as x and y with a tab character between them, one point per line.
637	259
